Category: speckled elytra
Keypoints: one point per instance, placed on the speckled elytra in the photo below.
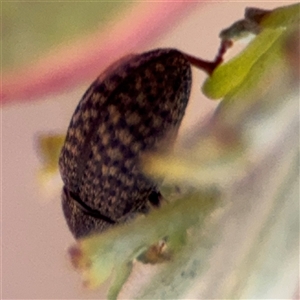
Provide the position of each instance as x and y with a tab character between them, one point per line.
127	111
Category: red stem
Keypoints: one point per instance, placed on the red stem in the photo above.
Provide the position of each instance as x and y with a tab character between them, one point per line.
210	66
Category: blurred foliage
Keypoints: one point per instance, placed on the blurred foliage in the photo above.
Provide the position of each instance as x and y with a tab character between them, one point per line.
114	250
49	147
29	29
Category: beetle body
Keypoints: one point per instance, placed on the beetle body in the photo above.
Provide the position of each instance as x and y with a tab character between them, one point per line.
128	110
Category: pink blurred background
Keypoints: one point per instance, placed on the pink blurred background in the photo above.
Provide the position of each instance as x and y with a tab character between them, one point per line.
34	235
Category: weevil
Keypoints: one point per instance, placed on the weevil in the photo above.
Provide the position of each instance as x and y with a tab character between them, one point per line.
127	111
132	107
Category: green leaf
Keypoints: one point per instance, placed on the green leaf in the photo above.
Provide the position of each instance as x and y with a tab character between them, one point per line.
113	251
229	76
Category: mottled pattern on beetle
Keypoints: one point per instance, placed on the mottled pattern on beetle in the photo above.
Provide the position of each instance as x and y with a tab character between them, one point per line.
73	214
79	222
125	112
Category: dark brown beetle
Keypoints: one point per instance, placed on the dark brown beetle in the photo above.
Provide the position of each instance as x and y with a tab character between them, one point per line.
130	108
